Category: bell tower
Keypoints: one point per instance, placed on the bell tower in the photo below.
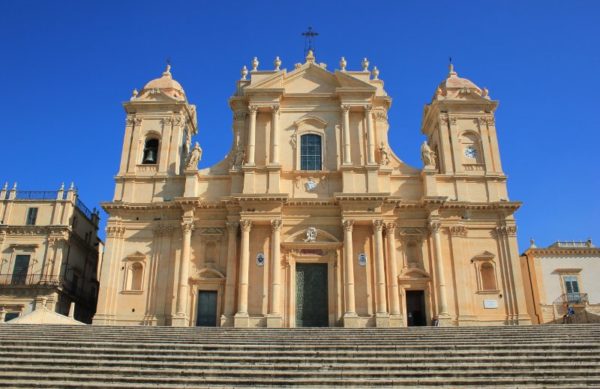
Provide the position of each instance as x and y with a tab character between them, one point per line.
158	130
460	128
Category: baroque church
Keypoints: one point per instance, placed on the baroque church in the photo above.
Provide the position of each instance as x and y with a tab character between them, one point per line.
311	219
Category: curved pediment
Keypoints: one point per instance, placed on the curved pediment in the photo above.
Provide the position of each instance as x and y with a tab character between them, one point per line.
210	273
306	236
414	273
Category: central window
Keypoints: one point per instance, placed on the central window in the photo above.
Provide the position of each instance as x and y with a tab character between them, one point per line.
310	152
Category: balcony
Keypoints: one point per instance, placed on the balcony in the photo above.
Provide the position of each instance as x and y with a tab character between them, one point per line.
15	279
572	299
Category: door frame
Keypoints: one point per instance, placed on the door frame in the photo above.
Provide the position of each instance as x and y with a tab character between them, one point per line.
206	284
217	316
330	258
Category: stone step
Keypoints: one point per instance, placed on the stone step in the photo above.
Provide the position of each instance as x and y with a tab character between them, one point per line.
401	368
121	380
456	357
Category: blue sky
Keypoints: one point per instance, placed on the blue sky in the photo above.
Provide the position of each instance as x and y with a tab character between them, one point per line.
68	65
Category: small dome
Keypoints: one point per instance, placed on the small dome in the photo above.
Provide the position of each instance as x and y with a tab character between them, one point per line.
453	86
166	84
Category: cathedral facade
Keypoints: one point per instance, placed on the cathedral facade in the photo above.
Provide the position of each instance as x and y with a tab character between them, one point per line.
311	219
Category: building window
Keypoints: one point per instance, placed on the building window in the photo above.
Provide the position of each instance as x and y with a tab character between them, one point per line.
150	152
310	152
135	277
31	216
19	276
572	289
488	276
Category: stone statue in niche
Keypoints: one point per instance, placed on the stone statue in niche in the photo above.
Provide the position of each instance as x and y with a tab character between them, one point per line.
194	157
238	158
311	234
383	155
427	155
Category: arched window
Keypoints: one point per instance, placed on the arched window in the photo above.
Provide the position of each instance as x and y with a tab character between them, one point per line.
134	281
310	152
488	276
150	152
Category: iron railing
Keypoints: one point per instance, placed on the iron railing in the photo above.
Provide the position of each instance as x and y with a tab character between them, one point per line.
36	195
85	210
25	279
572	298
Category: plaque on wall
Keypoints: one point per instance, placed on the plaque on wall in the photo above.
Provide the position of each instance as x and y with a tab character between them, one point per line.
362	259
260	259
490	304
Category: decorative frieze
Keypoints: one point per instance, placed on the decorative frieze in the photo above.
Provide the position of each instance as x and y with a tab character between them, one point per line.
458	230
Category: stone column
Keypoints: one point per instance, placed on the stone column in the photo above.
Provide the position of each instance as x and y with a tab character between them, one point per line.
275	135
241	317
181	319
434	227
395	314
275	319
370	136
381	316
252	135
229	309
347	155
350	313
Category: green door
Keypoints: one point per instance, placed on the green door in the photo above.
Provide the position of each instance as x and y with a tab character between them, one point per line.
207	309
311	295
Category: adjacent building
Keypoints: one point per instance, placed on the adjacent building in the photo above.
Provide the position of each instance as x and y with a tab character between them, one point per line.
564	273
311	219
48	253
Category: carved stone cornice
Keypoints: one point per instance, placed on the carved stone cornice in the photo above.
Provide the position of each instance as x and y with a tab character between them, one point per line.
276	224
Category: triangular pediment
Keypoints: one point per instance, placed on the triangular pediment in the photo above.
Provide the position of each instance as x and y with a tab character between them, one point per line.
310	79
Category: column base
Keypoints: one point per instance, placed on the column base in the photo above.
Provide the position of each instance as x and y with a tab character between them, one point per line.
241	320
396	321
101	319
351	320
523	319
180	320
445	320
382	320
226	321
274	321
150	320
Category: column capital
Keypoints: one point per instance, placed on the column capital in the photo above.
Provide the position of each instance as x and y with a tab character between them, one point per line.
345	107
390	227
378	225
276	224
239	115
252	109
232	226
246	225
348	224
434	226
187	226
275	109
368	108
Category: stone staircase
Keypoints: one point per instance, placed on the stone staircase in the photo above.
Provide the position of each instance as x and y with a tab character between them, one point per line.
43	356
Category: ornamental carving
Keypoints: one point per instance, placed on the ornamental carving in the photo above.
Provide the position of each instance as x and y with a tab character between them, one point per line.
511	230
246	225
211	231
434	226
276	224
167	121
137	121
311	234
381	116
252	109
348	224
490	121
115	231
390	227
411	231
378	225
232	227
178	120
345	108
187	226
129	121
458	230
239	115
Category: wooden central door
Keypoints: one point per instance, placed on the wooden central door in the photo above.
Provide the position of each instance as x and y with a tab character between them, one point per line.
207	308
312	308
